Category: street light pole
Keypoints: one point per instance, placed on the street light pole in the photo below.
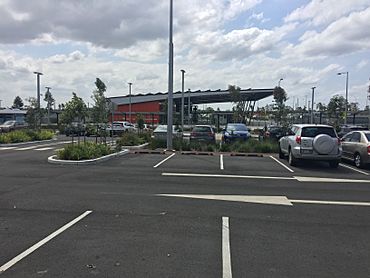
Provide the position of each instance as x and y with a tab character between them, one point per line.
346	104
129	93
38	97
182	99
313	97
170	82
189	118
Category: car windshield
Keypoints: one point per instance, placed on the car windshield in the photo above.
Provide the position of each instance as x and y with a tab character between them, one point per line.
9	123
201	129
240	127
314	131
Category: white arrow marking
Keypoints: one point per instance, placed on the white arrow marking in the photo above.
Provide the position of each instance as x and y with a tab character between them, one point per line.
270	200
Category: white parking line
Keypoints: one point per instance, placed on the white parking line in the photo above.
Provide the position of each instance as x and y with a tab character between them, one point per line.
354	169
226	256
6	148
164	160
42	242
26	148
45	149
221	161
282	164
226	176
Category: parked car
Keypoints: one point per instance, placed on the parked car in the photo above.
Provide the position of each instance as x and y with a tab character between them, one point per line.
11	125
274	132
75	129
120	127
311	142
233	132
204	133
344	129
356	147
160	132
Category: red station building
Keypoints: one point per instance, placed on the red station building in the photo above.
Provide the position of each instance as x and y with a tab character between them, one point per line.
152	106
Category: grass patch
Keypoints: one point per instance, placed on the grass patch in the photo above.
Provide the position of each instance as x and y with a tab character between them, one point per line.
87	150
19	136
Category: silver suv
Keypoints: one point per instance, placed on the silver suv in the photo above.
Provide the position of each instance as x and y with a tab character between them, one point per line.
311	142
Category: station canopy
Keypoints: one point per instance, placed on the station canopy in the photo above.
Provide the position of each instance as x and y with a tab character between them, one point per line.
196	97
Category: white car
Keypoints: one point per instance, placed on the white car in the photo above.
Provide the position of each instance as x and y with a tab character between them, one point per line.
311	142
120	127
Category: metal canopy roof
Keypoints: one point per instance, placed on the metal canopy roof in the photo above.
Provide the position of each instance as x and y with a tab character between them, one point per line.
197	97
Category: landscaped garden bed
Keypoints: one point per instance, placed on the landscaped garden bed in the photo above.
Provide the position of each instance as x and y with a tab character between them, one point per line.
84	151
22	136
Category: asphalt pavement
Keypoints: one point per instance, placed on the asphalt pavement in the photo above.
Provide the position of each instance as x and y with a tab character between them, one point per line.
189	216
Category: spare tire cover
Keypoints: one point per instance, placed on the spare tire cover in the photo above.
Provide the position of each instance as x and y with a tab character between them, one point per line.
323	144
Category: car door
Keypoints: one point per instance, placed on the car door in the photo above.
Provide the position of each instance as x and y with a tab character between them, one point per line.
346	145
354	144
284	141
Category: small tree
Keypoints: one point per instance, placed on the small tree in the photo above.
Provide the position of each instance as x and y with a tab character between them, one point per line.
18	103
49	102
280	97
100	110
336	109
140	122
240	108
33	114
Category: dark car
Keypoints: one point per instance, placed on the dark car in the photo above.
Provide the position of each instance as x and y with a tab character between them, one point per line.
274	132
203	133
234	132
344	129
75	129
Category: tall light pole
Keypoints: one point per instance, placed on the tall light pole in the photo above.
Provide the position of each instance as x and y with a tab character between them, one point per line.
170	82
281	79
346	104
182	99
47	93
189	118
129	94
38	97
313	97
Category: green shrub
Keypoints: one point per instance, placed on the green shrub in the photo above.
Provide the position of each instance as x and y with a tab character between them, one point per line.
87	150
19	136
130	139
157	144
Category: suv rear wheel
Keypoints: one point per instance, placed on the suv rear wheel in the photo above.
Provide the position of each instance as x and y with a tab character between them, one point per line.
291	159
334	164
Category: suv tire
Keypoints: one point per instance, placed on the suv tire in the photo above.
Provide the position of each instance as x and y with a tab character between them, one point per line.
281	154
334	164
291	159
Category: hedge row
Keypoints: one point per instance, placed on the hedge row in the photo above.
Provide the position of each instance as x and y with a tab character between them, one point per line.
87	150
19	136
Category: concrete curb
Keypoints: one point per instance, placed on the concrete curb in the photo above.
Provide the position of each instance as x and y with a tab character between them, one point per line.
25	143
52	159
149	152
247	154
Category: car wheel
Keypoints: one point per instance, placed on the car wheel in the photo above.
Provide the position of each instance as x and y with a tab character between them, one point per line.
291	159
281	154
334	164
358	160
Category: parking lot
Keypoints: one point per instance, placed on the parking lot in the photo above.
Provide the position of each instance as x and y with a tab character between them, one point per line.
173	215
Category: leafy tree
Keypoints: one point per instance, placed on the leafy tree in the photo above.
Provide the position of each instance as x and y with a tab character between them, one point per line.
194	115
49	102
336	109
100	110
33	116
18	103
321	107
75	110
140	122
240	108
280	110
353	107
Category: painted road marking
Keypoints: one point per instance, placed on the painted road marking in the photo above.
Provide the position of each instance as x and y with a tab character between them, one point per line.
164	160
26	148
44	149
226	254
224	176
297	178
6	148
354	169
268	200
282	164
221	161
42	242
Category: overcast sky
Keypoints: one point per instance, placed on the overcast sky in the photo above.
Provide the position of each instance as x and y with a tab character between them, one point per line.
248	43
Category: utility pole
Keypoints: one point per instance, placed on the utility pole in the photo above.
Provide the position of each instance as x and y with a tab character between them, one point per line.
47	93
189	118
182	98
129	93
346	104
38	98
170	82
313	96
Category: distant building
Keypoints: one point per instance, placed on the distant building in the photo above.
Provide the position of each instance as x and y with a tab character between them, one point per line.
8	114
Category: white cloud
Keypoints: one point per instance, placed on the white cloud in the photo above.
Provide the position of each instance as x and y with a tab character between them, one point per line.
319	12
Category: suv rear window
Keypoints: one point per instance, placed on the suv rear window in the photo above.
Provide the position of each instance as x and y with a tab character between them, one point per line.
314	131
202	129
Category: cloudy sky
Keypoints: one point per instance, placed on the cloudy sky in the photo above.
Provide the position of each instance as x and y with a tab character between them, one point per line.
249	43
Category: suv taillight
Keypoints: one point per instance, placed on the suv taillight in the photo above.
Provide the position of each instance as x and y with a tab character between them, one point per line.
340	142
298	139
368	149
